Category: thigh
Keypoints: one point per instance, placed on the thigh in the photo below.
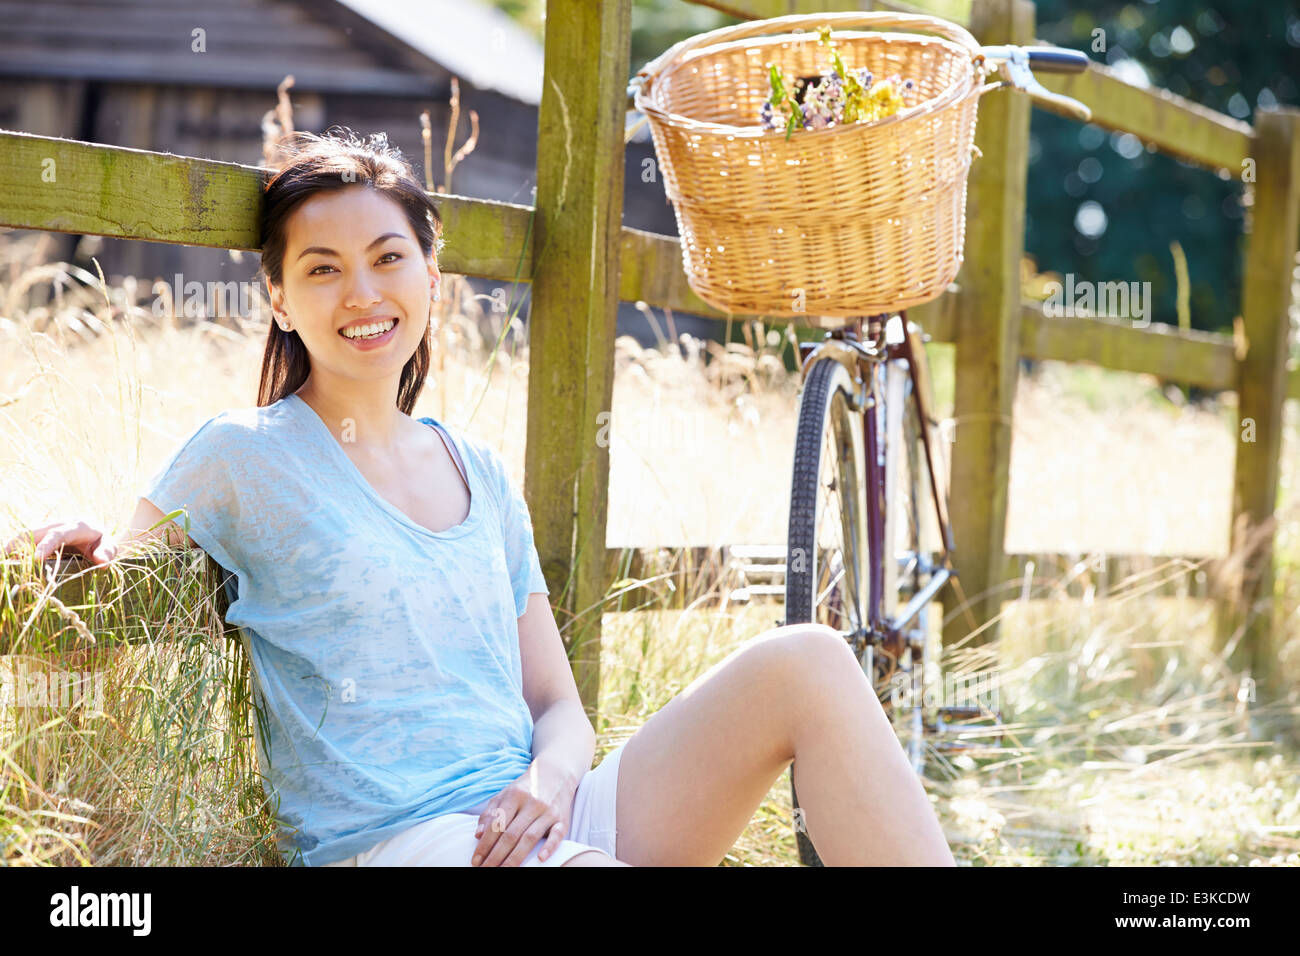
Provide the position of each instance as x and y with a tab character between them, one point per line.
691	778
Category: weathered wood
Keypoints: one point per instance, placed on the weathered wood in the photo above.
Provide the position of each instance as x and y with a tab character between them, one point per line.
1177	126
134	194
957	11
485	238
1195	358
988	328
576	259
652	272
938	317
1273	225
62	185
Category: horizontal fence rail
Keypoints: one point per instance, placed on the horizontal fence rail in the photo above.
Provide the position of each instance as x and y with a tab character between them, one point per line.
1178	127
207	203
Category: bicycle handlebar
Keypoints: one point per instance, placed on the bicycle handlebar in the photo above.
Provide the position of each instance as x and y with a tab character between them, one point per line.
1044	59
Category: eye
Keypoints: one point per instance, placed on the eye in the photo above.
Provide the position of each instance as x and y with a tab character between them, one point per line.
395	255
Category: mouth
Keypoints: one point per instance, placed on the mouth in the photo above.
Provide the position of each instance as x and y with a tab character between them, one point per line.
370	334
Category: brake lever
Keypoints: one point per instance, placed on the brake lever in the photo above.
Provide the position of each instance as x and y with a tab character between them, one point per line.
1014	66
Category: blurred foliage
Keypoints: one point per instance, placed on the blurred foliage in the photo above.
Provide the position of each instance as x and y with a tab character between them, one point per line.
529	14
1101	205
658	24
1232	57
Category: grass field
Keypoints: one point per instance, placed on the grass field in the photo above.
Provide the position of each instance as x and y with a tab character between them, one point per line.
1128	743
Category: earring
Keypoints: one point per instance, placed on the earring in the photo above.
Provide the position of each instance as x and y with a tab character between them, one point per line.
286	326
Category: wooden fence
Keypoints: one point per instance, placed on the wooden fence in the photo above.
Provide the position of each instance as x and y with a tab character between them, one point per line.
575	231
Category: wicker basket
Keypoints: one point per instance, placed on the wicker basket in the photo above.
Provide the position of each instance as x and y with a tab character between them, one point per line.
852	220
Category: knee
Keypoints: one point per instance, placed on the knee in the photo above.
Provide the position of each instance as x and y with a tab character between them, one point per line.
808	650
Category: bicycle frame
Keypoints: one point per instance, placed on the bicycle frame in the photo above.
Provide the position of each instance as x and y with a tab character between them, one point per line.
891	338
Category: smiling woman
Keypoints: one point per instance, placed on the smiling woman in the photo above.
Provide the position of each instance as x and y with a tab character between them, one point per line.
347	229
386	585
390	596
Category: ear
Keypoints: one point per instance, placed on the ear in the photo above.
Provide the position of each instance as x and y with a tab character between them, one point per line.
275	296
435	276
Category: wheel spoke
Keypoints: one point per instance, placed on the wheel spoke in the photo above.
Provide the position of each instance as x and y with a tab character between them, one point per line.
836	601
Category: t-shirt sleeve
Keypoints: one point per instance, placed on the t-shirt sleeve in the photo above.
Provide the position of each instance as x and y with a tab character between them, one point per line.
195	480
517	533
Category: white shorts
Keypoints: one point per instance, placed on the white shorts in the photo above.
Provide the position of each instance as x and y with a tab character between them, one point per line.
449	840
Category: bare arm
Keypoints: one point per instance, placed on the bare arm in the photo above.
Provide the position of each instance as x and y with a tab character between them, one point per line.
91	542
562	734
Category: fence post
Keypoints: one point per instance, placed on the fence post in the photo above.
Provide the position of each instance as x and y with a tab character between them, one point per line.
1247	609
988	330
572	316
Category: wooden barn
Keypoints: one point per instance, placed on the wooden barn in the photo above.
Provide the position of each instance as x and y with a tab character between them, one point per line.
197	78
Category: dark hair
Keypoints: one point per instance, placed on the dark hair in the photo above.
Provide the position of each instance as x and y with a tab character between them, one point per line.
315	164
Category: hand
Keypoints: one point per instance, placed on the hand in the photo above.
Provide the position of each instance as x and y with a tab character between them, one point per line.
76	536
536	805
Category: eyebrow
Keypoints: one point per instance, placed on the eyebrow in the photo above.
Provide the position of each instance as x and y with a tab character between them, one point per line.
330	252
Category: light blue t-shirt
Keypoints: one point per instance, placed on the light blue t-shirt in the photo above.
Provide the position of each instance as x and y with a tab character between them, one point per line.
386	655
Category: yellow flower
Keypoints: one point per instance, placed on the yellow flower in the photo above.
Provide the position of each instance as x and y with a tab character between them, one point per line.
884	99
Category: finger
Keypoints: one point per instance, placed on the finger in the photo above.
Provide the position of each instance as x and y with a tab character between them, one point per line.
490	832
29	538
553	840
50	544
505	846
104	554
486	817
78	536
529	839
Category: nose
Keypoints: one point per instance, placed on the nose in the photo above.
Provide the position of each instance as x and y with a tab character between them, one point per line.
361	292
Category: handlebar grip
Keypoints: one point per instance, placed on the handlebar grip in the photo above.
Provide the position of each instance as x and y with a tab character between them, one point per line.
1051	59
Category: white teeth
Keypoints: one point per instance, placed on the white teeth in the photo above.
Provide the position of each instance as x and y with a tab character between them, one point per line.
364	331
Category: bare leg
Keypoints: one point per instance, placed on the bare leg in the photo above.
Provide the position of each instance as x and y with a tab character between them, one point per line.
594	857
691	778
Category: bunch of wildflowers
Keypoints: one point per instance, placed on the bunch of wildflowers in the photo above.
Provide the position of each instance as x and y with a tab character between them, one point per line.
839	96
781	110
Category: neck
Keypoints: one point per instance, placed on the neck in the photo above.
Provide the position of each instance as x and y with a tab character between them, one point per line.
363	415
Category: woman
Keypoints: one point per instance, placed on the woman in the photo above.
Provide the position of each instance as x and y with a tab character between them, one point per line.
418	701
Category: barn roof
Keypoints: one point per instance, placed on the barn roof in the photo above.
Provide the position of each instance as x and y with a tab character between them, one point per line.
380	47
478	43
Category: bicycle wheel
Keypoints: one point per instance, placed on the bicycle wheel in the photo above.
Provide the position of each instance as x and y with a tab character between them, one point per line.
826	559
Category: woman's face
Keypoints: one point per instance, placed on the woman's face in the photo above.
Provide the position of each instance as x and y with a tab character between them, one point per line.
351	261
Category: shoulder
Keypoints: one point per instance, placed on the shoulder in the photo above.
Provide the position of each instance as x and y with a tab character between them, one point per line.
239	430
260	419
477	452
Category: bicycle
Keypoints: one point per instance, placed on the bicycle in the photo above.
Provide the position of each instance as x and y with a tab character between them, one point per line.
869	543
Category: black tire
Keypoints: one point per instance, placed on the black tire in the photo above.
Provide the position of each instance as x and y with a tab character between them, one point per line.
826	584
